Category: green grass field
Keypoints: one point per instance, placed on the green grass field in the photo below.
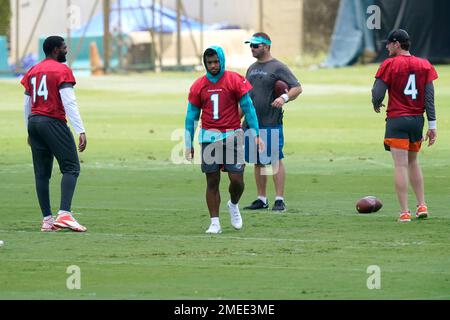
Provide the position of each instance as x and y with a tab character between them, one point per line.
146	217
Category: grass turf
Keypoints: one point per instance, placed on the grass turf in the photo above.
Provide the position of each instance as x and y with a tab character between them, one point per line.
146	216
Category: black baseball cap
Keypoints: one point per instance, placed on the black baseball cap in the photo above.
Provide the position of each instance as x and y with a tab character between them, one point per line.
399	35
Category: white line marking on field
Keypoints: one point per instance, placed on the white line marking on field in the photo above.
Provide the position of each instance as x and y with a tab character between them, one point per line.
227	238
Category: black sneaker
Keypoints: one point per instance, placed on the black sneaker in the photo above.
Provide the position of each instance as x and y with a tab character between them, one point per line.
279	206
257	205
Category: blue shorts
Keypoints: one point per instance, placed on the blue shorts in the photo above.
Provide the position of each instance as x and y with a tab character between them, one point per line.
273	146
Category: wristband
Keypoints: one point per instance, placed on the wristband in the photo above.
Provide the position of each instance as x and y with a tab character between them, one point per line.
285	97
432	125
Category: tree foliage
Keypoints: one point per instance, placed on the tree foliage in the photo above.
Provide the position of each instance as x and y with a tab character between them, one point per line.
5	17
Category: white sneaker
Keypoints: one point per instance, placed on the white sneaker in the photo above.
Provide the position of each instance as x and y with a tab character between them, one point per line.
235	215
66	220
48	225
214	228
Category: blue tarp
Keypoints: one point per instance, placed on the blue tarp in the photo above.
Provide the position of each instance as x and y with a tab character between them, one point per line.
351	35
137	15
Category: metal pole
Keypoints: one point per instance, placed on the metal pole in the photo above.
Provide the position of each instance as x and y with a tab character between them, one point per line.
153	47
86	27
261	15
202	21
106	35
119	3
69	25
17	36
302	24
179	32
191	35
161	40
33	30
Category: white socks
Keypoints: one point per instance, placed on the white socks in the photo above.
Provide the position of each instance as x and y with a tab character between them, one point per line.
234	206
215	221
263	199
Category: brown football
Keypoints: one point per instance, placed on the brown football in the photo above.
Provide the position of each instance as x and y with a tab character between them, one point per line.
280	87
368	204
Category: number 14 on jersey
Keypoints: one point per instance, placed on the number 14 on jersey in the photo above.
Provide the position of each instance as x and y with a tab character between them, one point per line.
42	90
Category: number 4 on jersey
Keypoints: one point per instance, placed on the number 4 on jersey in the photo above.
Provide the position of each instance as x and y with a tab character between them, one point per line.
410	89
42	89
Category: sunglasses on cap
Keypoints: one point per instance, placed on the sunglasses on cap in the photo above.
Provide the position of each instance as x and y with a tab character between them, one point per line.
255	45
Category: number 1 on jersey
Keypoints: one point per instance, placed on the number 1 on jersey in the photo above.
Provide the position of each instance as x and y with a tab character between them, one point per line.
410	89
215	100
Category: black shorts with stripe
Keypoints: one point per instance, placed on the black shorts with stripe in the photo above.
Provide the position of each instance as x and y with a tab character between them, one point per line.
404	133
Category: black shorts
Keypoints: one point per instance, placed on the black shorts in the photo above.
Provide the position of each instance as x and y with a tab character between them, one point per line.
226	155
404	133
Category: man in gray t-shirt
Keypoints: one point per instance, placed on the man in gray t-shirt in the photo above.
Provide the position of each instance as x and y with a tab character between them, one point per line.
262	75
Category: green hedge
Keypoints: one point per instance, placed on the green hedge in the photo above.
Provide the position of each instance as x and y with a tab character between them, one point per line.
5	17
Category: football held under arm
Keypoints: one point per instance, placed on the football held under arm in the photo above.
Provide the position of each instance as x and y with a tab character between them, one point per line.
249	112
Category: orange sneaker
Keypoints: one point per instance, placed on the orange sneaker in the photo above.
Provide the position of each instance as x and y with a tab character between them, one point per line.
405	216
422	211
66	220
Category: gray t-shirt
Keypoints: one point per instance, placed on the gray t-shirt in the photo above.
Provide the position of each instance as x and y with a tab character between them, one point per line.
262	77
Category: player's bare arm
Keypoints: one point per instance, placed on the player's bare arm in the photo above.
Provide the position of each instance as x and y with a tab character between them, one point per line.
431	136
82	143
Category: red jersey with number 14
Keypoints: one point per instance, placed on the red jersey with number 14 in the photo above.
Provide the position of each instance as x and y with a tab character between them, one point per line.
219	101
42	82
406	78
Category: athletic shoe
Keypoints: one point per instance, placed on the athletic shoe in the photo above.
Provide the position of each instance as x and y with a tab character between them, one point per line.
48	225
214	228
279	206
66	220
257	205
405	216
422	211
235	215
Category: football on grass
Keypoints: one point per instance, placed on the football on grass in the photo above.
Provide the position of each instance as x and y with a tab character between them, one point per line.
368	204
280	88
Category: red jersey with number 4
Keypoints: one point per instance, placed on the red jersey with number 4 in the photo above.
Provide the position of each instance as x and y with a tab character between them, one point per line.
406	78
42	82
219	101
